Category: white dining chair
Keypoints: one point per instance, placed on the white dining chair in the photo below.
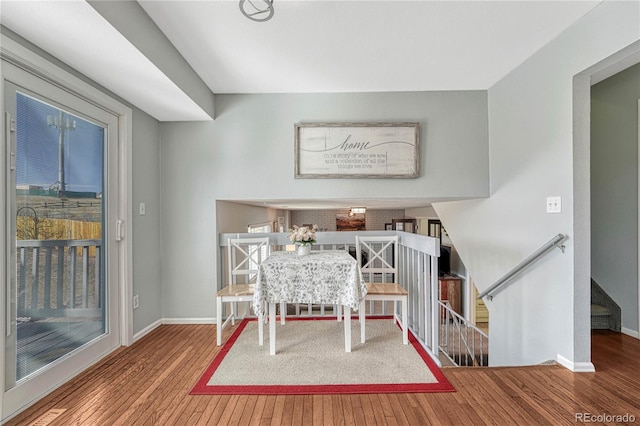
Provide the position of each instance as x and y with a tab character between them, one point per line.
381	261
244	256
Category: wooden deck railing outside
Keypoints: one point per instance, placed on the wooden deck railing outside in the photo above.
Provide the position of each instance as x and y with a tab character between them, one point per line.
59	278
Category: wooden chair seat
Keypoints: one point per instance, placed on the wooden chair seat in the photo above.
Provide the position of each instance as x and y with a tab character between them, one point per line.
236	290
390	289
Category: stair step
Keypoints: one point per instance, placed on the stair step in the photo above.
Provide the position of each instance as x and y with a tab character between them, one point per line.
599	310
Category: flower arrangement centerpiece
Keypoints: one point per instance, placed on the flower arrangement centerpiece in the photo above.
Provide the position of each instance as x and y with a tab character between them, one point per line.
303	237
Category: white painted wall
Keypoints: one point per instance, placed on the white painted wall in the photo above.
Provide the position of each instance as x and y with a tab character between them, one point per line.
543	314
247	153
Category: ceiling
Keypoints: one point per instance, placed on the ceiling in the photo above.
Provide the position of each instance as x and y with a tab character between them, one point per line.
307	47
361	46
101	53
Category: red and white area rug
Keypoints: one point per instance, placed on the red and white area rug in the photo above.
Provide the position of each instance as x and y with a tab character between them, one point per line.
310	359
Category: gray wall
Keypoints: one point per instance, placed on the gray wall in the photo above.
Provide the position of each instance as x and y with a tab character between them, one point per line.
531	157
257	134
614	190
235	217
147	235
247	153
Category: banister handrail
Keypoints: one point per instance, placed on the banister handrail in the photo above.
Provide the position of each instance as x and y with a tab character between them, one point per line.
548	246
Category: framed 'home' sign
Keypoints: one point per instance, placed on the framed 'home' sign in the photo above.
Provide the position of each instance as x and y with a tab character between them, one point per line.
357	150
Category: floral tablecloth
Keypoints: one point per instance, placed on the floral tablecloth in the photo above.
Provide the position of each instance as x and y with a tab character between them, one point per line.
323	277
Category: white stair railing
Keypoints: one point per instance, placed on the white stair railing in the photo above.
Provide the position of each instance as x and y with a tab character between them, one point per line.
461	342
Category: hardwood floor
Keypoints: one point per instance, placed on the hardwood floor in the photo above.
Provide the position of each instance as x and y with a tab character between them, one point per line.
149	383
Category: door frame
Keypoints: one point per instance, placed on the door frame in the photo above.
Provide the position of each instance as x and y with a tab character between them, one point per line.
582	83
31	62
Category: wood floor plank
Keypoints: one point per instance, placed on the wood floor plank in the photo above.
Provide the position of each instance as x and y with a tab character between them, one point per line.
385	405
288	411
439	409
244	410
267	413
258	410
356	407
367	407
338	413
347	410
398	410
307	411
278	410
378	411
149	383
317	417
221	407
414	410
196	415
210	405
228	412
297	416
552	409
327	409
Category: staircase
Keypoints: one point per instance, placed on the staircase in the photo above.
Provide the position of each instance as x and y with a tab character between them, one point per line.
460	342
605	313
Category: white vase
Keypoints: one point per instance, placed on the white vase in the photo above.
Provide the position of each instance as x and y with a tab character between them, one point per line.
304	249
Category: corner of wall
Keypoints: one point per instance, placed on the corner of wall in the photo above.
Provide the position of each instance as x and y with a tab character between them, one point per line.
576	367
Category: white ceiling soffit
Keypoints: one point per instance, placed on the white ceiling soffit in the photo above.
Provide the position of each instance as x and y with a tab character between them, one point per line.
76	34
361	46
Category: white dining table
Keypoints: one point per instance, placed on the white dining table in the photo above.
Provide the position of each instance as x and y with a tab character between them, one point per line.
329	277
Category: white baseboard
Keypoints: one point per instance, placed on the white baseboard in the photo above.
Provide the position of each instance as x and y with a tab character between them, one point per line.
188	320
148	329
630	332
576	367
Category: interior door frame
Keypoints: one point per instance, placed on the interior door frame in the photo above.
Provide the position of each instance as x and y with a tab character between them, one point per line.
14	53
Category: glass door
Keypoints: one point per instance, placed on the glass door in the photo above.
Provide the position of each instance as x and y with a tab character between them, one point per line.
59	239
61	309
